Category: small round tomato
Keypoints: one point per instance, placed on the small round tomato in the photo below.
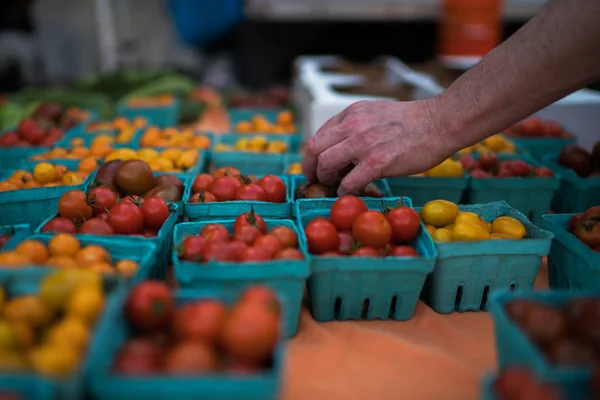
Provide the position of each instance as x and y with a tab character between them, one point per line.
321	236
215	233
544	172
252	219
149	305
405	223
274	187
226	171
96	226
346	242
132	199
219	251
225	188
203	197
345	210
199	320
366	252
286	236
269	242
126	219
589	233
518	167
372	229
156	212
191	357
101	199
202	183
237	247
255	254
403	251
288	254
247	234
59	225
73	205
251	192
192	248
488	161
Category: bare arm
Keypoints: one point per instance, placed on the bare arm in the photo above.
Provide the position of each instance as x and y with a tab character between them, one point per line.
554	54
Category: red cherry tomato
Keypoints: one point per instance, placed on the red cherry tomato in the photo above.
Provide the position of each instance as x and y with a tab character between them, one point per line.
288	254
199	320
192	248
219	251
237	247
149	305
251	192
255	254
126	218
286	236
543	172
270	243
252	219
372	229
226	171
225	188
96	226
132	199
202	183
322	236
274	187
215	233
405	223
156	212
101	199
403	251
366	252
73	205
247	234
203	197
345	210
59	225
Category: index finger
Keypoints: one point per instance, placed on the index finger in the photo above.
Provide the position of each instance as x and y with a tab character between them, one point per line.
325	137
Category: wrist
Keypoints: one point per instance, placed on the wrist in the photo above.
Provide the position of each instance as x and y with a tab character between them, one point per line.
444	124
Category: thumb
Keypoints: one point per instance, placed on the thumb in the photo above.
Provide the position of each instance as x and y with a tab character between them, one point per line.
357	179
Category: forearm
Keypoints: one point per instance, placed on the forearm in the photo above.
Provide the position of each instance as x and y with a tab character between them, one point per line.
554	54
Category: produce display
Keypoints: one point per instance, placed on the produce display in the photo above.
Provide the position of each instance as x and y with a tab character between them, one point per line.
256	144
202	336
445	223
248	241
48	333
228	184
258	123
586	227
171	159
150	101
48	175
271	98
487	165
494	144
581	161
174	137
64	251
354	230
538	128
320	190
31	133
451	168
518	383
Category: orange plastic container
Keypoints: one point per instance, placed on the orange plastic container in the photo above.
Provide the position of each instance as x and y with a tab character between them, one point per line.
469	29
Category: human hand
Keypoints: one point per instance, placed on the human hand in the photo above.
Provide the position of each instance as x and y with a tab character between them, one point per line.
377	139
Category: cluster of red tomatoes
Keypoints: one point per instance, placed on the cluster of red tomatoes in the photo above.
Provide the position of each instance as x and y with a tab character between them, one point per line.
488	166
102	212
198	337
586	227
228	184
248	242
353	229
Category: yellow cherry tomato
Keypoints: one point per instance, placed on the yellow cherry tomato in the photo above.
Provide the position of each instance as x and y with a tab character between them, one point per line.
442	235
85	304
53	360
70	332
430	229
468	232
448	169
509	226
295	169
45	173
187	159
439	213
469	217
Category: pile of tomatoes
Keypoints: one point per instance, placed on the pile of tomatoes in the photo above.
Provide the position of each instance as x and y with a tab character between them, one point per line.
249	241
228	184
102	212
586	227
199	337
488	166
353	229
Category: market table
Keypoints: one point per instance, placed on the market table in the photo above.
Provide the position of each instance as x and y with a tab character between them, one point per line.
432	356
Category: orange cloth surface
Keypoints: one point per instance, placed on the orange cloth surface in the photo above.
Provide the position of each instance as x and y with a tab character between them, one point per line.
431	356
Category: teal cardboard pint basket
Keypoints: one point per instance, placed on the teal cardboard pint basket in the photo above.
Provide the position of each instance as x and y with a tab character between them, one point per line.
515	349
352	288
572	265
576	194
424	189
466	273
113	331
538	148
285	277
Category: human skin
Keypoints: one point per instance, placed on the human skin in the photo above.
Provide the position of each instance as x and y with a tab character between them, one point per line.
554	54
